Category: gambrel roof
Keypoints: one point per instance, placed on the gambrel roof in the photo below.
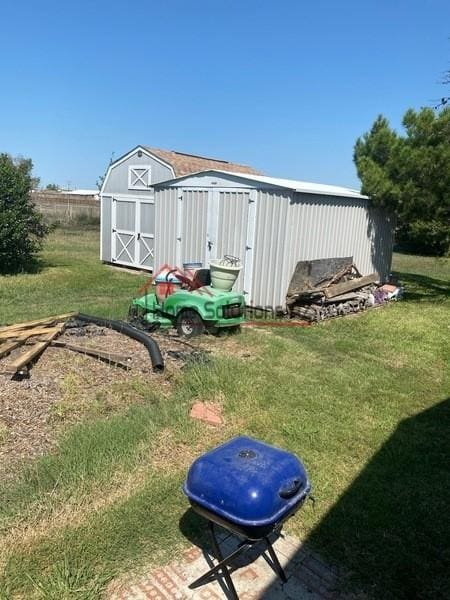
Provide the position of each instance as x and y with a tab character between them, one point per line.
183	163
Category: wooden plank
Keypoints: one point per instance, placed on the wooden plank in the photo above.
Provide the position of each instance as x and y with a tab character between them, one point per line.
340	275
8	347
23	335
110	357
344	297
21	361
313	274
46	321
349	286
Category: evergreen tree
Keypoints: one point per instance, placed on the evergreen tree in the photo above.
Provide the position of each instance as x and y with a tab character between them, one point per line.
409	175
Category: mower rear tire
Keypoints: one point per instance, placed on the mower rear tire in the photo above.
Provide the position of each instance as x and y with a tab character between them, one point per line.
189	324
234	329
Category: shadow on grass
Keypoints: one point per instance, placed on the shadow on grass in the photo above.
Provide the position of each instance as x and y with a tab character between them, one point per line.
32	267
421	287
36	265
195	529
391	528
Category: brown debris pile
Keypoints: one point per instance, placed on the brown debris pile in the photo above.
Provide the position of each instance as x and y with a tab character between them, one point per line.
325	288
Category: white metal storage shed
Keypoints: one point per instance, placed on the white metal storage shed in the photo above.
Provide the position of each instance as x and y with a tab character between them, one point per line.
127	200
270	224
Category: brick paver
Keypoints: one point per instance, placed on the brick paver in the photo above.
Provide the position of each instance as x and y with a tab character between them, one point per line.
309	577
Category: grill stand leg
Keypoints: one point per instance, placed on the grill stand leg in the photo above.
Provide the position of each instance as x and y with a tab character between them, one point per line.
224	563
276	563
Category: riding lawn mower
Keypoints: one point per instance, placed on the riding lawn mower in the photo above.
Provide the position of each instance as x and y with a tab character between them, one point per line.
192	301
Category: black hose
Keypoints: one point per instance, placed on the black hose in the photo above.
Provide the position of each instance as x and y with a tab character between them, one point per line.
140	336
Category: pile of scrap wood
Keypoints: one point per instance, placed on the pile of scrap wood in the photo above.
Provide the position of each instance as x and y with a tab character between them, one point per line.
325	288
33	337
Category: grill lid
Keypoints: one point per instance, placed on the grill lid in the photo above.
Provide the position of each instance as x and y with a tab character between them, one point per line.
247	482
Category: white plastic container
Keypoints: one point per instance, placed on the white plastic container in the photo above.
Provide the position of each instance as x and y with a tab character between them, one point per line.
224	273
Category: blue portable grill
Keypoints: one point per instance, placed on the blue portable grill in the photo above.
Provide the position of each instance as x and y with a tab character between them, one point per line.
249	488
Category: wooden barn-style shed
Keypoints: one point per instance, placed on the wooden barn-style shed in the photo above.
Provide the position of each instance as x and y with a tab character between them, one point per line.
128	233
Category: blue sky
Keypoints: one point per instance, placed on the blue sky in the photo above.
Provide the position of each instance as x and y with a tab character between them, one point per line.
286	86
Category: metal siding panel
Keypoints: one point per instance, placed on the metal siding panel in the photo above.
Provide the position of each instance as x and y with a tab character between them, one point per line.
296	237
293	240
361	251
166	201
259	279
106	228
280	222
269	257
381	232
309	227
193	231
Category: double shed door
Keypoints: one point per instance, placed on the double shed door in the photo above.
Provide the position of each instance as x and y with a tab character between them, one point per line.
213	223
133	232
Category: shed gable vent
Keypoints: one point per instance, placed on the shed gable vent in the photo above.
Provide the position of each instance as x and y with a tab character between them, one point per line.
139	177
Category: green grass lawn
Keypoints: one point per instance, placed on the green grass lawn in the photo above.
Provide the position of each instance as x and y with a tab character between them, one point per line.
72	278
363	400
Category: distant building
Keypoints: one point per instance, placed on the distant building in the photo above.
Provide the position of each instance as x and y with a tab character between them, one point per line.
83	192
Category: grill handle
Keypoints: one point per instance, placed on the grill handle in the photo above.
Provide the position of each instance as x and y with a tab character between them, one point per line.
290	489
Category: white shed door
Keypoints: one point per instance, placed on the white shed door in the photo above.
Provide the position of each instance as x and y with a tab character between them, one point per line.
123	241
194	214
133	232
146	234
214	223
233	231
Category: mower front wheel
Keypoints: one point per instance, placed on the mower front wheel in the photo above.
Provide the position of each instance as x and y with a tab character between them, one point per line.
189	324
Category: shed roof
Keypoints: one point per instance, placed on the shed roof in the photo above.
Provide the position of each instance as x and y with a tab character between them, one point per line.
304	187
184	164
307	186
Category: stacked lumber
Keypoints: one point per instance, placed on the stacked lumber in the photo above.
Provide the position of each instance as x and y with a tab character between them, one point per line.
33	337
40	333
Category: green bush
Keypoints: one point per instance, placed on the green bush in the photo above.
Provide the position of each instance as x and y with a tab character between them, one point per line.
22	228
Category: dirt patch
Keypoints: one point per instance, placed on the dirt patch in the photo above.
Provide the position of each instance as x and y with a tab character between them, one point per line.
65	387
